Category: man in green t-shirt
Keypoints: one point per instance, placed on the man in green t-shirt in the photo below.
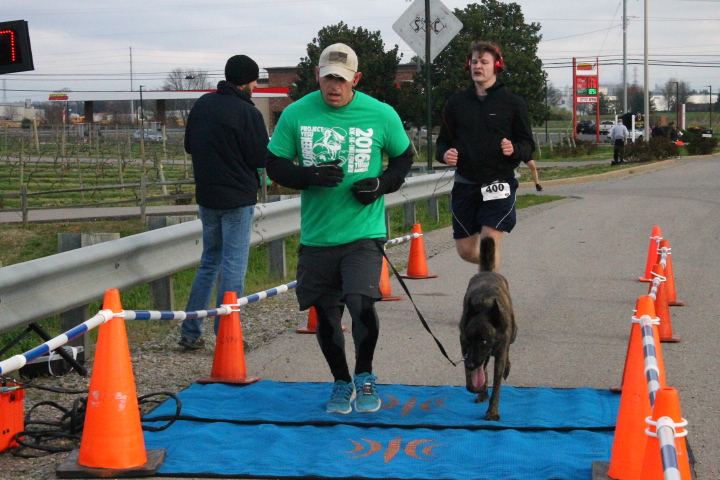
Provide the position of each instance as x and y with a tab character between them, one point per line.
339	135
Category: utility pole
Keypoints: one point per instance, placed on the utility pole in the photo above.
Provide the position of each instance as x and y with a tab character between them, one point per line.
646	127
132	102
624	105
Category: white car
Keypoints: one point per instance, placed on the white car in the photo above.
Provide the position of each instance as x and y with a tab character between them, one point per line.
150	135
606	125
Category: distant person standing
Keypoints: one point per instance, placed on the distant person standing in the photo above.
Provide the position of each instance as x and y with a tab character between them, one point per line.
618	134
227	138
485	131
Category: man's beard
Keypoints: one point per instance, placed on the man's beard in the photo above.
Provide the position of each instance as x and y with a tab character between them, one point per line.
247	89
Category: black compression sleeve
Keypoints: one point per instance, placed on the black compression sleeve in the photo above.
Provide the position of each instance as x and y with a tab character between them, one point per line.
398	167
285	172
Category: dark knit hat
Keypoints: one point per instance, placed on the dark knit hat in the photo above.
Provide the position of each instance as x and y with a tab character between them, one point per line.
241	70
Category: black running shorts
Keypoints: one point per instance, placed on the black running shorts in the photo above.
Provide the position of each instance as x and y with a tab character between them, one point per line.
338	271
470	213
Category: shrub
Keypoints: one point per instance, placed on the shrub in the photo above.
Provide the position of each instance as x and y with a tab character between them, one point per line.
701	145
656	149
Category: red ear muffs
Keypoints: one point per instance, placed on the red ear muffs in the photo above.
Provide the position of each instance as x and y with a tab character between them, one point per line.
498	66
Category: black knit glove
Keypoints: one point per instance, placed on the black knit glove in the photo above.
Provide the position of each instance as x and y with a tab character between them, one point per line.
368	190
328	174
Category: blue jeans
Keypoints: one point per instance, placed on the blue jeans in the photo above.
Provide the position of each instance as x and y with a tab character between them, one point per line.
226	247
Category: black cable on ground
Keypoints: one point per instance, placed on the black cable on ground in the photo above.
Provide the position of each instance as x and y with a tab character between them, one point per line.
63	434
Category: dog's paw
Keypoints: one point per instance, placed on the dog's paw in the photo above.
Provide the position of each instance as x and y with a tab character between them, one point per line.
482	397
492	416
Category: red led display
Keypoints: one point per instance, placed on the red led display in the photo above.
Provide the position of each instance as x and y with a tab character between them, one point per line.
15	53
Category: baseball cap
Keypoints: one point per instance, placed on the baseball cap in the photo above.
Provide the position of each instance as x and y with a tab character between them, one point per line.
338	60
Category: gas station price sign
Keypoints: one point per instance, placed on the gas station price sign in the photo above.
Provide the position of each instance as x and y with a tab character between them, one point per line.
15	51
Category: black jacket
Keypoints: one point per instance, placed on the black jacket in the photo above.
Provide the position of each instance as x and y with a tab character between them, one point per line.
475	128
227	138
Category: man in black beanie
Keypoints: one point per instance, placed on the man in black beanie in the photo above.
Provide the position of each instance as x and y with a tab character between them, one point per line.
227	139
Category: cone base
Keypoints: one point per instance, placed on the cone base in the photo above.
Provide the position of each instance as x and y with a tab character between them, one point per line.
418	277
71	469
672	339
600	470
616	389
232	381
643	279
390	299
676	304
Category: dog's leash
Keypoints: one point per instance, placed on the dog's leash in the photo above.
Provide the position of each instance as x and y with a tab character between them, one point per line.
420	315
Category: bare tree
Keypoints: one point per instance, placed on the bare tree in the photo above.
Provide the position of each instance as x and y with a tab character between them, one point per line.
554	95
179	79
675	92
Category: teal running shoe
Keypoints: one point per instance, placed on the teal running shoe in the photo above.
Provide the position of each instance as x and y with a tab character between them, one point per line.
341	398
367	399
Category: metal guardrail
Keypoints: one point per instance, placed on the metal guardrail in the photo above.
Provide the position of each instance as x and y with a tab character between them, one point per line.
38	289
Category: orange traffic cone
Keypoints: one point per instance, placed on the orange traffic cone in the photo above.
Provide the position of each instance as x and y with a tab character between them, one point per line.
661	308
667	405
417	265
670	276
112	440
229	360
645	306
626	458
652	256
311	323
385	288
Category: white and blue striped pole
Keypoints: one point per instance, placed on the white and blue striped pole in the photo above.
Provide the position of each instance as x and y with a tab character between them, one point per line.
18	361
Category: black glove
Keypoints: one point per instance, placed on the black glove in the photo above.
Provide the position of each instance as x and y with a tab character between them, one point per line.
328	174
538	187
368	190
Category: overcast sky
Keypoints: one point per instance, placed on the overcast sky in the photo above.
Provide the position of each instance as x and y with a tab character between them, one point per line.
85	45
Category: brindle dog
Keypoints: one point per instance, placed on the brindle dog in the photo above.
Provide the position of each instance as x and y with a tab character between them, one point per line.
487	328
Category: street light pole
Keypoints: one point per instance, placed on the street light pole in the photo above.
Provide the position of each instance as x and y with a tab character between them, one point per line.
710	107
677	103
142	113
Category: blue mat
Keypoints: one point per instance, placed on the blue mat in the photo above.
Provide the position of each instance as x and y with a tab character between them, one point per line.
403	406
280	430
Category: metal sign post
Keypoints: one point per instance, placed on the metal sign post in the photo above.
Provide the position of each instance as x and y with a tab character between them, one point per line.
427	26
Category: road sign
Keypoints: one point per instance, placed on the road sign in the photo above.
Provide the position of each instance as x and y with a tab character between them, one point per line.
411	27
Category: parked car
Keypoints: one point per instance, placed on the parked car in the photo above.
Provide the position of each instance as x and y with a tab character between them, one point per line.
606	125
585	126
150	135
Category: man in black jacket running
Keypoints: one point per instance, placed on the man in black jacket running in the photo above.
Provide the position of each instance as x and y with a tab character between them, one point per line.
485	132
227	138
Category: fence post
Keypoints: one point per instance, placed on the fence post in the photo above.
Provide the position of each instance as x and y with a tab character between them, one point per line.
162	295
277	261
76	316
143	197
24	204
409	208
537	142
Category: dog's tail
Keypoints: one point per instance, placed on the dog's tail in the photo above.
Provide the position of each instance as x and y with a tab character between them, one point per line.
487	254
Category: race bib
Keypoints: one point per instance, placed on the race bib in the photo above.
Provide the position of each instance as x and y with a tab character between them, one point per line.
495	191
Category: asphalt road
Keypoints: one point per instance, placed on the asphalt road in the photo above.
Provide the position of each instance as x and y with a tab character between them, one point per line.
573	269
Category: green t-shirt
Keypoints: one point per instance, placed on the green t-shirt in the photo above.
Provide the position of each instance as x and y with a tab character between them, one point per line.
356	134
